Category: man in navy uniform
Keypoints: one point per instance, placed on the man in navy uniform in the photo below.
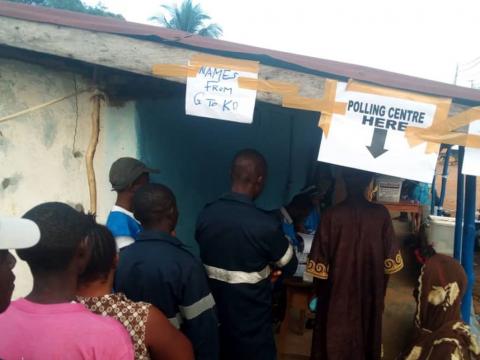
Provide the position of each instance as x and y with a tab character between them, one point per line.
157	268
240	245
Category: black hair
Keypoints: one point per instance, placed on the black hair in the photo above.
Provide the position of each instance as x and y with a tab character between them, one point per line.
247	166
62	229
356	181
299	207
103	251
425	248
154	202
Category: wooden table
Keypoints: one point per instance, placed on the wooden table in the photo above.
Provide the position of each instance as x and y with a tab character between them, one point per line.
299	294
414	209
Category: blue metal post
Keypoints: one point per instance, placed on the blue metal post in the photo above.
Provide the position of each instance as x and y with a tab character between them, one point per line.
444	179
457	248
434	197
468	246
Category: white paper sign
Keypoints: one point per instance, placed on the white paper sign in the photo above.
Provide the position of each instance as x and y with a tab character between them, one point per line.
371	136
214	93
471	160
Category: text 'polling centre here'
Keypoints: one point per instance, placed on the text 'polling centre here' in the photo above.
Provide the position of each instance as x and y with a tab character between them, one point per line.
383	117
386	116
371	134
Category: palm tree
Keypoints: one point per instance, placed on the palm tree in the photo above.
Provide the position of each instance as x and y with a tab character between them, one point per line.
190	18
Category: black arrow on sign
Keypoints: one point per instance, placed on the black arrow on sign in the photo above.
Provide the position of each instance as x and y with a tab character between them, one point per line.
377	147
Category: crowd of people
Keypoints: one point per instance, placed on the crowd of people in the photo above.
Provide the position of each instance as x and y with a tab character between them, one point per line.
132	290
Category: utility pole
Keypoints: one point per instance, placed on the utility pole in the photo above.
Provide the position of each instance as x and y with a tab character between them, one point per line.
456	76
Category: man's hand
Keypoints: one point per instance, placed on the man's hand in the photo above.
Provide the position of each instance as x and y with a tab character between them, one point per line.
275	275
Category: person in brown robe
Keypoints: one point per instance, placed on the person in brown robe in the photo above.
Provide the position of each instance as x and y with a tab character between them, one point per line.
440	333
353	253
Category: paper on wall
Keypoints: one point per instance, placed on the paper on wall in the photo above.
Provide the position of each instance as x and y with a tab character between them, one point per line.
214	93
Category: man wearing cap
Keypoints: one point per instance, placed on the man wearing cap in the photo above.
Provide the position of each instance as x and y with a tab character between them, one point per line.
126	175
14	234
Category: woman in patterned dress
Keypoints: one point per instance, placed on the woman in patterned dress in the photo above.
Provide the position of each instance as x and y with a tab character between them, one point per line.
440	334
152	334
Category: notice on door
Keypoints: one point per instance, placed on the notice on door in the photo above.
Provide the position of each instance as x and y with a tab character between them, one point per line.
371	134
214	93
471	160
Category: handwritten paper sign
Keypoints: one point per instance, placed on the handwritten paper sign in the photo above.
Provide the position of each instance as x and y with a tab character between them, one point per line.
371	135
214	93
471	160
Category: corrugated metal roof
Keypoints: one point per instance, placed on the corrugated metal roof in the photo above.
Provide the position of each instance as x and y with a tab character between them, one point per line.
322	67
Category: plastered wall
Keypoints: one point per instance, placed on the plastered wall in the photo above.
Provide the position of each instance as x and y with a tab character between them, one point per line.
42	154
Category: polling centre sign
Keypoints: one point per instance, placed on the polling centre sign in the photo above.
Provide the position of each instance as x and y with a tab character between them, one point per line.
214	93
371	134
471	159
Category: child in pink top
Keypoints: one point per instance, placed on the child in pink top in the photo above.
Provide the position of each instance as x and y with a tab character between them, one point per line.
60	331
48	324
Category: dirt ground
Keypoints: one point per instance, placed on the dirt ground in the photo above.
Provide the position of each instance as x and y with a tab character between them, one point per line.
399	301
399	306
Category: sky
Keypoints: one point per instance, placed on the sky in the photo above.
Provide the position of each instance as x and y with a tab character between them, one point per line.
423	38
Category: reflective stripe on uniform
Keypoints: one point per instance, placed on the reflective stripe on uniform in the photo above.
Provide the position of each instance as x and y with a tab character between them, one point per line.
176	321
237	277
192	311
285	259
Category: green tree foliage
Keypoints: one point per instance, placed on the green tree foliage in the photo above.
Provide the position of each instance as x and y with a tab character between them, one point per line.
190	18
72	5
